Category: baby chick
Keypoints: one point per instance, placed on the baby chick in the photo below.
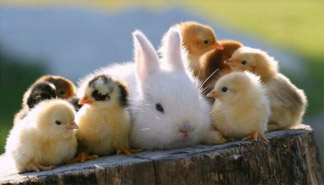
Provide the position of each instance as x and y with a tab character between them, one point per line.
104	122
65	89
197	39
288	103
37	93
212	63
241	108
45	139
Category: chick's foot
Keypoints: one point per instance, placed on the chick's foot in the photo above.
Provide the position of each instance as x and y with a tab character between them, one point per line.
82	157
44	168
254	135
34	168
128	151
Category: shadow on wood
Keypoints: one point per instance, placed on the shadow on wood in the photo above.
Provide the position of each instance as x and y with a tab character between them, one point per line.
290	158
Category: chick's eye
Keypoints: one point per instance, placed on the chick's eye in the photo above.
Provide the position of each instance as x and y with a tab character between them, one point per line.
58	122
206	41
224	89
159	107
62	92
244	62
99	97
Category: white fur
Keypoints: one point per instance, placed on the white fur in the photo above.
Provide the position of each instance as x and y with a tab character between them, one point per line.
101	87
163	52
149	83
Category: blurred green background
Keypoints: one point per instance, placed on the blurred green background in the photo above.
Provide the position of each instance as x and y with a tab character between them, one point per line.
293	25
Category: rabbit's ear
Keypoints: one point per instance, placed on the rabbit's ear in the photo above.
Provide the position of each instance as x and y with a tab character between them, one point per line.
173	49
146	59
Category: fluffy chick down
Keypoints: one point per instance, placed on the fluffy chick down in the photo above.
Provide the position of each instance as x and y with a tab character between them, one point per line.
241	106
45	138
288	103
104	121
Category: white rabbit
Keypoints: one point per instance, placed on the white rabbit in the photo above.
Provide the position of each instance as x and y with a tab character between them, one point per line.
167	109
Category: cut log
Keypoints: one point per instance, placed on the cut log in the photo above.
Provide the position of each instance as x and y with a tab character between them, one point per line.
291	158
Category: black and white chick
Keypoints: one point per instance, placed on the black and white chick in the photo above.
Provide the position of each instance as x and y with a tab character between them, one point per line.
104	121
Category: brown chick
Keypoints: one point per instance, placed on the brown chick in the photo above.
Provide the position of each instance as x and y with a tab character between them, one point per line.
288	103
197	39
212	63
64	89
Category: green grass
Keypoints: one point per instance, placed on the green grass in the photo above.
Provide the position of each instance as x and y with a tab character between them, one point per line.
15	78
293	24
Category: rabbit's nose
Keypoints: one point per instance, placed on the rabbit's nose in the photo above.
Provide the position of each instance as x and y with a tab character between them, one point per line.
186	127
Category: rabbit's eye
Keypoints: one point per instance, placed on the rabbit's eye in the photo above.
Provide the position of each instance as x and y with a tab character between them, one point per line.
244	62
58	122
159	107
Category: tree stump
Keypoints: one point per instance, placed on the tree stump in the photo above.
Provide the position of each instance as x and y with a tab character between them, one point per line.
291	158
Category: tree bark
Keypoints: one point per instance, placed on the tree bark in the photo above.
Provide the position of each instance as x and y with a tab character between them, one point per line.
291	158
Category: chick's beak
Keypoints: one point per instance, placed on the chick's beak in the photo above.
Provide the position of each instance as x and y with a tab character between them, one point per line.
72	125
218	46
212	94
85	100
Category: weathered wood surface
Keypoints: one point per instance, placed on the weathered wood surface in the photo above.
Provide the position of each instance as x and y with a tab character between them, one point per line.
291	158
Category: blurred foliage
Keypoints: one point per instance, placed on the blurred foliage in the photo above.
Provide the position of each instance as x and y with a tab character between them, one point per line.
312	83
15	78
294	24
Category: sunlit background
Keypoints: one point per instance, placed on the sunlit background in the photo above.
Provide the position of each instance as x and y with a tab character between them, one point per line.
72	38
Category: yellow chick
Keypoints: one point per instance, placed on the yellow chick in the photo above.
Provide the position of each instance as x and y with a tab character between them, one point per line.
288	103
241	109
46	137
197	39
104	122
